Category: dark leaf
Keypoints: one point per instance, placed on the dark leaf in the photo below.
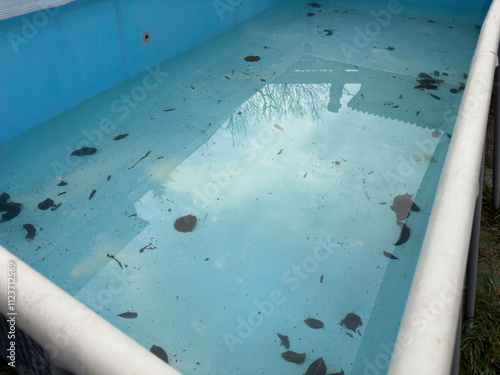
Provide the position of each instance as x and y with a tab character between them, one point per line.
31	231
84	151
159	352
284	341
389	255
314	323
128	315
46	204
185	223
352	321
318	367
293	357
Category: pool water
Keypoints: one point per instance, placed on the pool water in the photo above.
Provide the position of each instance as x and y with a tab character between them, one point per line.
290	164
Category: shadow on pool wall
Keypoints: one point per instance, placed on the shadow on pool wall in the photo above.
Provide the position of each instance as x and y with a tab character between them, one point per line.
56	58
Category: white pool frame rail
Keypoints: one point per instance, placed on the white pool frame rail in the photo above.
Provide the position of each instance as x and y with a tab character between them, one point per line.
74	337
80	341
426	339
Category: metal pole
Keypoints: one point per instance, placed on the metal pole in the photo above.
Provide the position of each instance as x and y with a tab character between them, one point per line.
455	365
471	272
496	141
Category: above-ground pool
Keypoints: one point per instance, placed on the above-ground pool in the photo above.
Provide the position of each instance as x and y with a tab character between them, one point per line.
306	145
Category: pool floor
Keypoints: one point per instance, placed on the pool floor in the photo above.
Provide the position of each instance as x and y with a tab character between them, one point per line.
290	164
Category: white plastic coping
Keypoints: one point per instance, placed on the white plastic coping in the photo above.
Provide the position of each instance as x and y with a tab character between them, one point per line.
426	338
75	338
14	8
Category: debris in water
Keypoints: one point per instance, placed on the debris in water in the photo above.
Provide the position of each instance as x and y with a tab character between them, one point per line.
226	77
402	205
318	367
293	357
352	321
55	206
279	152
168	109
338	373
62	183
404	236
46	204
252	58
121	136
453	91
305	175
92	193
145	156
284	341
310	14
389	255
185	223
113	257
12	209
128	315
278	127
435	96
314	5
314	323
159	352
321	279
328	32
436	133
390	48
31	231
84	151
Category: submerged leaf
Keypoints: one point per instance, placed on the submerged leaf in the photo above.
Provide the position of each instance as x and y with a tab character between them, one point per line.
314	323
284	341
128	315
159	352
318	367
293	357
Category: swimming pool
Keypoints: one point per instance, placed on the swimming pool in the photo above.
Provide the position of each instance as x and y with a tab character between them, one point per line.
299	140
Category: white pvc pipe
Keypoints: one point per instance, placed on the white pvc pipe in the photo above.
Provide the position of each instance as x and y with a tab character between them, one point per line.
75	338
428	330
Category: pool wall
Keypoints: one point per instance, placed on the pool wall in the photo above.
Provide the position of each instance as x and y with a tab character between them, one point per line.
54	59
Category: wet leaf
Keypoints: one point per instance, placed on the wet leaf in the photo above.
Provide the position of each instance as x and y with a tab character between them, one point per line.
284	341
185	223
128	315
318	367
314	323
31	231
159	352
293	357
84	151
352	321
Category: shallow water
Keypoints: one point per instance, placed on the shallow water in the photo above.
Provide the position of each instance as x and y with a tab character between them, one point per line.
290	165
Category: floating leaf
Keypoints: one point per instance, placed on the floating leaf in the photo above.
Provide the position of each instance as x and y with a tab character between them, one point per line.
293	357
31	231
46	204
318	367
159	352
352	321
404	235
314	323
185	223
284	341
128	315
84	151
389	255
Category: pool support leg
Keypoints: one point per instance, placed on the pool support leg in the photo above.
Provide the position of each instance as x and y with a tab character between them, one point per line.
496	140
471	271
